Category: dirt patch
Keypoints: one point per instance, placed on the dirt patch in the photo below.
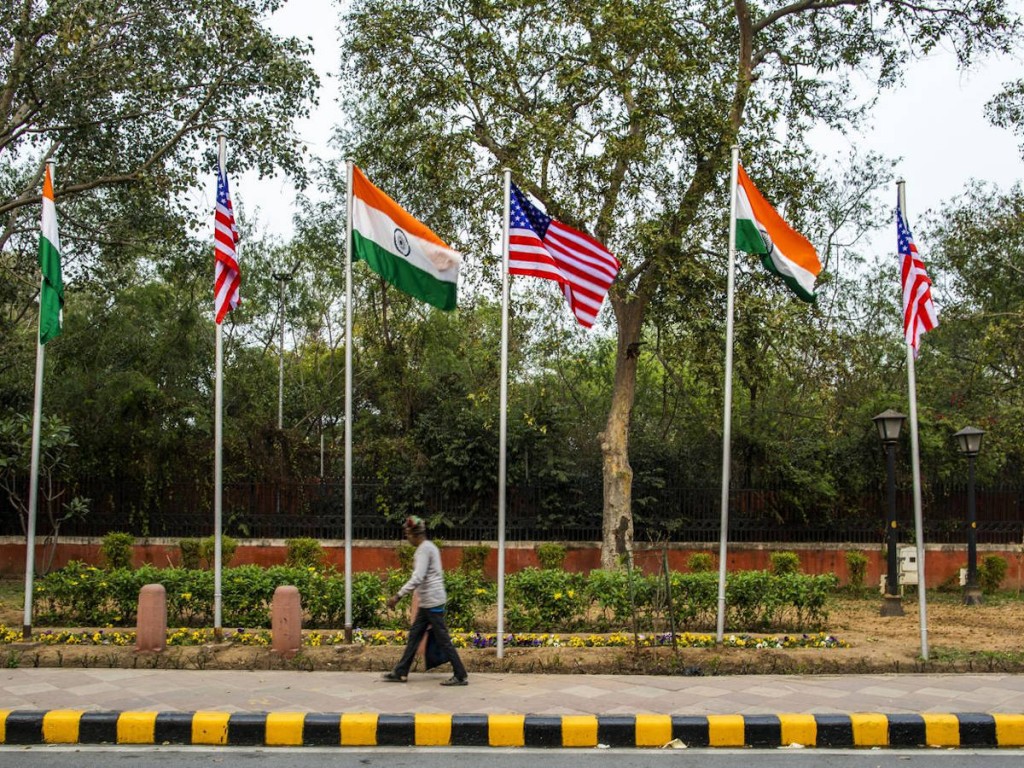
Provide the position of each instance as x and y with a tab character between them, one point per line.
961	638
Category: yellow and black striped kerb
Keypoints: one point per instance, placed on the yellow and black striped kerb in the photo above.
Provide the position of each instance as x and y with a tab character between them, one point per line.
509	730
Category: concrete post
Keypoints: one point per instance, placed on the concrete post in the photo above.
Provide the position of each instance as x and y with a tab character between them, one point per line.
286	621
151	626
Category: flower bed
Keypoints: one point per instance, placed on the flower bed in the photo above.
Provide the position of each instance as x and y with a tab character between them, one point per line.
184	636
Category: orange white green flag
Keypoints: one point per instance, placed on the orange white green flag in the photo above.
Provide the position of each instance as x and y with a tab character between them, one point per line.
51	296
400	248
784	251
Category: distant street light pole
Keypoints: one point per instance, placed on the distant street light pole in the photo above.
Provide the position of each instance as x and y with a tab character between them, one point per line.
282	278
889	424
969	442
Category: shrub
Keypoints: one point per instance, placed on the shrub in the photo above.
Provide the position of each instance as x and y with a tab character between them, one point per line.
750	599
784	563
807	596
305	553
857	565
247	592
694	599
467	594
618	593
190	559
368	598
700	562
545	600
117	549
550	555
537	600
992	572
473	559
227	550
189	596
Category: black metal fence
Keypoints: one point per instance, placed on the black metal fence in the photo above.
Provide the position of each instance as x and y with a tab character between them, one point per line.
569	513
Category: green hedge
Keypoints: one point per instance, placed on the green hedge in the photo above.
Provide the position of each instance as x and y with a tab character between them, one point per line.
537	600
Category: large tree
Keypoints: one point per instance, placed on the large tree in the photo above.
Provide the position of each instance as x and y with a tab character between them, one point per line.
978	256
619	115
128	97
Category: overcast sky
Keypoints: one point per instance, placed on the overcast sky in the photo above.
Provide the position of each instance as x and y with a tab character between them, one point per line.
935	125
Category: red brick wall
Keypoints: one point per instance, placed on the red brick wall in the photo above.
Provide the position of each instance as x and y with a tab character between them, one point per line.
942	561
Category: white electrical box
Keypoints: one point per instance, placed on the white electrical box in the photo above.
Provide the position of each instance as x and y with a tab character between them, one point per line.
908	565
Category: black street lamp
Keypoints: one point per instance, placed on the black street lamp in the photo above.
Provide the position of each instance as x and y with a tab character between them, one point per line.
889	424
969	441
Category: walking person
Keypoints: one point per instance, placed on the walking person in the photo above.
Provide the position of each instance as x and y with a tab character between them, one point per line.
427	581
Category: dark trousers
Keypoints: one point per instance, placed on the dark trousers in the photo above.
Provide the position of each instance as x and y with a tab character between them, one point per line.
435	620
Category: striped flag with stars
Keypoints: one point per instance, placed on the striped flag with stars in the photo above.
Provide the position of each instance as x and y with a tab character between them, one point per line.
227	276
540	246
919	315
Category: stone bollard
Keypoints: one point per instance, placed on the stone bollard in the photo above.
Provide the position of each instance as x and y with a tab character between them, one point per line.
286	621
151	626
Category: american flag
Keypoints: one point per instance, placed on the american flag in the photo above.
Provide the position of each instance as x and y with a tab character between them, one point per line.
227	276
919	314
539	246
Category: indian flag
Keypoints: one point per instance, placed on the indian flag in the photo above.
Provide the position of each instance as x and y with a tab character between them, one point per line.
51	293
784	251
400	248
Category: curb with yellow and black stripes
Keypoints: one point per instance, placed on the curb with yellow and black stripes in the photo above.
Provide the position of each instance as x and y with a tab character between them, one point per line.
509	730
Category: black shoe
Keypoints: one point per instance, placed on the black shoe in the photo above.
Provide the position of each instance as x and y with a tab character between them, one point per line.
391	677
453	680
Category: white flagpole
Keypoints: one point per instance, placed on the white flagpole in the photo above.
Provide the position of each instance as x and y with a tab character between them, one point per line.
348	400
218	459
33	483
727	409
915	458
503	408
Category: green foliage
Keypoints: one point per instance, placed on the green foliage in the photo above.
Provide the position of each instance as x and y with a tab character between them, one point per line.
694	599
455	79
760	599
55	447
406	553
991	572
536	599
305	553
368	599
784	563
117	550
207	550
700	562
468	595
190	557
474	558
87	596
546	600
550	555
857	565
621	594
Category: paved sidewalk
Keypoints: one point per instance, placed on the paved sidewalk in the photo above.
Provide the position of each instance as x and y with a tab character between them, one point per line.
284	708
501	693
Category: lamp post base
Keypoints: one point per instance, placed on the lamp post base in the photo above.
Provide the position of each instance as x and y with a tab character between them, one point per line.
892	605
972	595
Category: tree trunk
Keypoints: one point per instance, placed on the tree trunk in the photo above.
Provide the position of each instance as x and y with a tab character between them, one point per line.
617	519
